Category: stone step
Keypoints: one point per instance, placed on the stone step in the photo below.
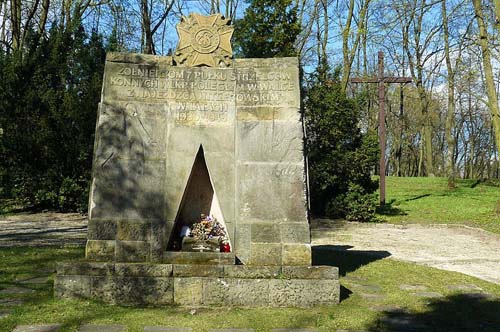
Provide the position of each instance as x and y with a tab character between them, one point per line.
200	258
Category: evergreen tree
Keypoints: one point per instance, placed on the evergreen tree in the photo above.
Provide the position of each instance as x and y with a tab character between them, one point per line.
48	111
268	29
340	156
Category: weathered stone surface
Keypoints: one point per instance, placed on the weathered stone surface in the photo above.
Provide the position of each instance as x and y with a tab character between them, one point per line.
188	291
11	302
296	330
303	293
38	328
265	254
310	272
413	287
198	270
266	233
159	231
242	242
295	233
272	191
144	59
133	230
251	272
85	268
34	280
270	140
232	330
204	40
100	250
143	270
101	229
138	290
101	328
166	329
296	254
72	286
236	292
132	251
198	258
13	290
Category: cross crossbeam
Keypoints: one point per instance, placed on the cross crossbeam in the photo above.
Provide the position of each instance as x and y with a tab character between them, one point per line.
381	80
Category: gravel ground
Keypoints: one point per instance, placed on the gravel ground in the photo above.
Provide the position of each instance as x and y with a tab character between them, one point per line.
454	248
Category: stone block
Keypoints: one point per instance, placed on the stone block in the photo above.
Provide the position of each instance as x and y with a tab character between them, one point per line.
242	242
132	251
299	330
266	233
188	291
100	250
133	230
248	292
104	289
38	328
265	254
198	258
296	254
198	270
101	229
101	328
303	293
310	272
143	270
159	237
72	286
276	140
215	291
166	329
295	233
271	191
128	189
236	292
231	330
85	268
251	272
136	290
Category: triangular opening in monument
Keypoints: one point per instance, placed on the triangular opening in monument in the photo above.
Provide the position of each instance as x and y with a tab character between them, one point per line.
199	198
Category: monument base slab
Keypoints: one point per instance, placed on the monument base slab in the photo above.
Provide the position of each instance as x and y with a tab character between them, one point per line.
197	285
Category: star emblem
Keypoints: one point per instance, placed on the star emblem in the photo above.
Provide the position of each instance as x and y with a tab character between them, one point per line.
204	41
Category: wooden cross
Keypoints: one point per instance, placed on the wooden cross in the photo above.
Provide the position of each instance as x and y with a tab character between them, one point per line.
381	80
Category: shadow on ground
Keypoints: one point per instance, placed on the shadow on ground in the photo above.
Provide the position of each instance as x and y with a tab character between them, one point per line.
473	312
390	210
346	260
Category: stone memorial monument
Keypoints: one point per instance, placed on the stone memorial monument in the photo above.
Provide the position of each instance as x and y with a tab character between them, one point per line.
198	187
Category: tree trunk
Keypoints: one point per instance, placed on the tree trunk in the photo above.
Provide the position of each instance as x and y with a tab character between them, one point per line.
450	113
488	71
146	28
15	22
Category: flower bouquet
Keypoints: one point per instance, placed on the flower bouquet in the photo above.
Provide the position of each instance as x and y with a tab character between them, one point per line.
206	235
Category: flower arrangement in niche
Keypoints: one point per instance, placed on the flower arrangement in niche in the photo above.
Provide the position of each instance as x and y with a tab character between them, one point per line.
208	228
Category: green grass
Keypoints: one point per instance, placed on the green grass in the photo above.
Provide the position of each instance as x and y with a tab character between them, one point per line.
353	313
429	201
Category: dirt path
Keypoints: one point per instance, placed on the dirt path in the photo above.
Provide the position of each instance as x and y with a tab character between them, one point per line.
43	229
462	249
